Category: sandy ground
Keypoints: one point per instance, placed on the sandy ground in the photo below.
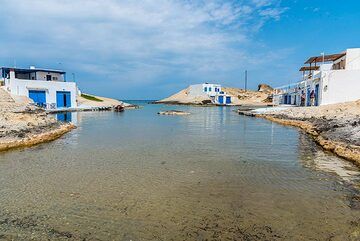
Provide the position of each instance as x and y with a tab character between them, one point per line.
182	97
24	125
239	97
82	102
247	97
106	102
335	127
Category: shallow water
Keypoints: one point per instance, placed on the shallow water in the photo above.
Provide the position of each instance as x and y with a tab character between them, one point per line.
212	175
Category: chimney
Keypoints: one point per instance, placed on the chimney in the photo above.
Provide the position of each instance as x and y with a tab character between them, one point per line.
12	74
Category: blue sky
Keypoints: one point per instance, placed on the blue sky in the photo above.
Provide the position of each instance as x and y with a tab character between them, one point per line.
150	49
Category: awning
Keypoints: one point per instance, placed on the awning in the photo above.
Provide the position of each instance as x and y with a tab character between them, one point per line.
325	58
308	68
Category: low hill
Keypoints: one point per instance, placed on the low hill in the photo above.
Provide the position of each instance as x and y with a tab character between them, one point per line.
239	97
183	97
247	97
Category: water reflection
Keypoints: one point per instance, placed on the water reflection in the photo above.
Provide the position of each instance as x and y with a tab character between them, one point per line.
313	156
211	175
64	116
72	117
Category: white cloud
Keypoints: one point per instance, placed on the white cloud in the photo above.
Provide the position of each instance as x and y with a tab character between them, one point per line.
125	37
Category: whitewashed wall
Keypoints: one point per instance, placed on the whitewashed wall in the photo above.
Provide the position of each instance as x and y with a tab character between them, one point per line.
42	76
352	59
22	87
198	90
340	86
212	86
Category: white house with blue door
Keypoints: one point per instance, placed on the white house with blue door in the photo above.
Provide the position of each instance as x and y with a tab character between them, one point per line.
222	98
46	87
214	91
330	79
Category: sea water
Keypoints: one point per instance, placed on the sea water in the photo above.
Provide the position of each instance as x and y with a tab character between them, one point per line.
210	175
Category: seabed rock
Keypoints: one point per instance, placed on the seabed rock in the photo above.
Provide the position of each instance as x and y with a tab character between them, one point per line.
173	112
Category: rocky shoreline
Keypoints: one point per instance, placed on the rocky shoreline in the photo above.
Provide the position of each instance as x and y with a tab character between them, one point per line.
22	124
30	137
334	127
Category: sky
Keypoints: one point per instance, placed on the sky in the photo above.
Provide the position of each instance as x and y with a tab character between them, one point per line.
150	49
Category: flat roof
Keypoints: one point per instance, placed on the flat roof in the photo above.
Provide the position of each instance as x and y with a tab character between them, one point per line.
23	70
308	68
325	58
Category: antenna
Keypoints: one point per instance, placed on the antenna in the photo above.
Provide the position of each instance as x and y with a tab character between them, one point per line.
245	80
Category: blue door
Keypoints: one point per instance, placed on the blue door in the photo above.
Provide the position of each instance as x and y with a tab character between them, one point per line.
228	99
63	99
308	96
38	96
221	99
317	95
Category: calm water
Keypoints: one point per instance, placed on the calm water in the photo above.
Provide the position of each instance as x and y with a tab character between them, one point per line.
212	175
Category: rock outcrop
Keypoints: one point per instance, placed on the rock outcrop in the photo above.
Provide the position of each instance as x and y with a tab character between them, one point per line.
239	97
24	125
173	112
183	98
265	88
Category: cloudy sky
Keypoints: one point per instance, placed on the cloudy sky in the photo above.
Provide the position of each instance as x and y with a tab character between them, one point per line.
148	49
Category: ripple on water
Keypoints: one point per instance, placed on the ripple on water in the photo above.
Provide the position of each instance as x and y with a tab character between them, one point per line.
210	175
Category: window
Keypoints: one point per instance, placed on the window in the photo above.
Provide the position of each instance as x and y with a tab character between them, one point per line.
210	89
55	78
205	89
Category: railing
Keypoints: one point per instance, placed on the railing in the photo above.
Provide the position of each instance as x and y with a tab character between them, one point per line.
290	88
46	106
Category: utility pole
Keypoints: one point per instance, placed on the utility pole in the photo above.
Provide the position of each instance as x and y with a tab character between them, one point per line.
245	80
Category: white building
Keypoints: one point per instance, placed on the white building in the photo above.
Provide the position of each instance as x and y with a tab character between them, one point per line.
213	91
330	79
47	88
206	88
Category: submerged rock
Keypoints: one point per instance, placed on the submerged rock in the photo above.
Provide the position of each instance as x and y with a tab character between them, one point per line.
173	112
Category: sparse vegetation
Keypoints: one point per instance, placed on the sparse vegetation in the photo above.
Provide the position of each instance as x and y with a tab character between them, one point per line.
90	97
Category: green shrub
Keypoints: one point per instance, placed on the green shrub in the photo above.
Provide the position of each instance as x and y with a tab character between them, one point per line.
90	97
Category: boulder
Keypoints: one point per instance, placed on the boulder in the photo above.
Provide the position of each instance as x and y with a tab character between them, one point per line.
264	88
